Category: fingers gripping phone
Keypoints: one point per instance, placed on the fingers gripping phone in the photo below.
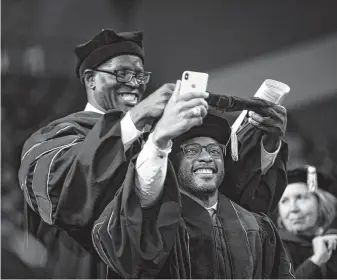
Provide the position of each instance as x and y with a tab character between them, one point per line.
193	82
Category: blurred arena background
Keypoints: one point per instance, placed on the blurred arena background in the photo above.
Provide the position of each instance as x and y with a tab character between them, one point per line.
239	43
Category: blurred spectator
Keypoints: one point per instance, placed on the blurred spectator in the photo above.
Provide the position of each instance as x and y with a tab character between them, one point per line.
5	61
34	61
306	213
19	258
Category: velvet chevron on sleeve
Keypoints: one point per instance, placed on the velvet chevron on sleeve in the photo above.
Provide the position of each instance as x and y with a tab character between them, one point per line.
136	242
70	165
70	170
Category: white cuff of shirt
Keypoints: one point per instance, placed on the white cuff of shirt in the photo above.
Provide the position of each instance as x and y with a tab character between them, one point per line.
151	152
129	131
268	159
151	167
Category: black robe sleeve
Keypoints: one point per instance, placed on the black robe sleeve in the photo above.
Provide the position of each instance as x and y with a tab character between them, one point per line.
308	270
244	182
276	262
133	241
69	169
300	258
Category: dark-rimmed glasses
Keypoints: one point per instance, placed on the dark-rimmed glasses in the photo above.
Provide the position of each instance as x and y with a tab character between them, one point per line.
194	150
125	76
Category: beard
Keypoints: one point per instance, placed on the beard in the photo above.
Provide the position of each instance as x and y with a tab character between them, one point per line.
188	182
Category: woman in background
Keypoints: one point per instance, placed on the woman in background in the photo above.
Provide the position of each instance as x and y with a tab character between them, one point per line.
305	213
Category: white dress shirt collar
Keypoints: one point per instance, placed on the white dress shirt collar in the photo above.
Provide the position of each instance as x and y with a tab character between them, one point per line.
213	207
91	108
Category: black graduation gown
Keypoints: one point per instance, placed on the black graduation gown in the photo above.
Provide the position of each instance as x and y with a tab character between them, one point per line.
175	238
69	171
250	188
72	168
300	250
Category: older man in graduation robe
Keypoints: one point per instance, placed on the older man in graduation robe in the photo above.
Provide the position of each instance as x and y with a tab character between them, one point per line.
71	168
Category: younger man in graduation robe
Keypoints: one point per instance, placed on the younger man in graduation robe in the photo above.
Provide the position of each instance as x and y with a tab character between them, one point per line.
173	222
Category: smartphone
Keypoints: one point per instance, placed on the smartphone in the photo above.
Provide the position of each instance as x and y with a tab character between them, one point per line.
193	81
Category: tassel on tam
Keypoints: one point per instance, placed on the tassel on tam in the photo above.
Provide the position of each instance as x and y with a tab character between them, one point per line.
312	179
234	147
234	138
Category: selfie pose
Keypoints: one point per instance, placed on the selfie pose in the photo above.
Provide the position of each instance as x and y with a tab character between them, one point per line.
168	220
73	167
306	212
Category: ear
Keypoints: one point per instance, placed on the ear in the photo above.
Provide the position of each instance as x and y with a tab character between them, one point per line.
89	79
280	224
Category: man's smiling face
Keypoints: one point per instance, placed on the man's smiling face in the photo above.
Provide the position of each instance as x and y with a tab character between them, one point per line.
108	93
202	174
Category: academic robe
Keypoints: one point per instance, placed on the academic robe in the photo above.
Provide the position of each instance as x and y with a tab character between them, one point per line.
175	238
70	170
300	250
245	184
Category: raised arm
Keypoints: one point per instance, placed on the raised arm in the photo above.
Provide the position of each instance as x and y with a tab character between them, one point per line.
138	228
73	167
259	178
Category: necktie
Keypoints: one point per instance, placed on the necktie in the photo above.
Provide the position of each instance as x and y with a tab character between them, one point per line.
213	216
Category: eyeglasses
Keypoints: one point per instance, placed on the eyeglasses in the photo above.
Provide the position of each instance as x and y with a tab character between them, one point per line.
125	76
194	150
